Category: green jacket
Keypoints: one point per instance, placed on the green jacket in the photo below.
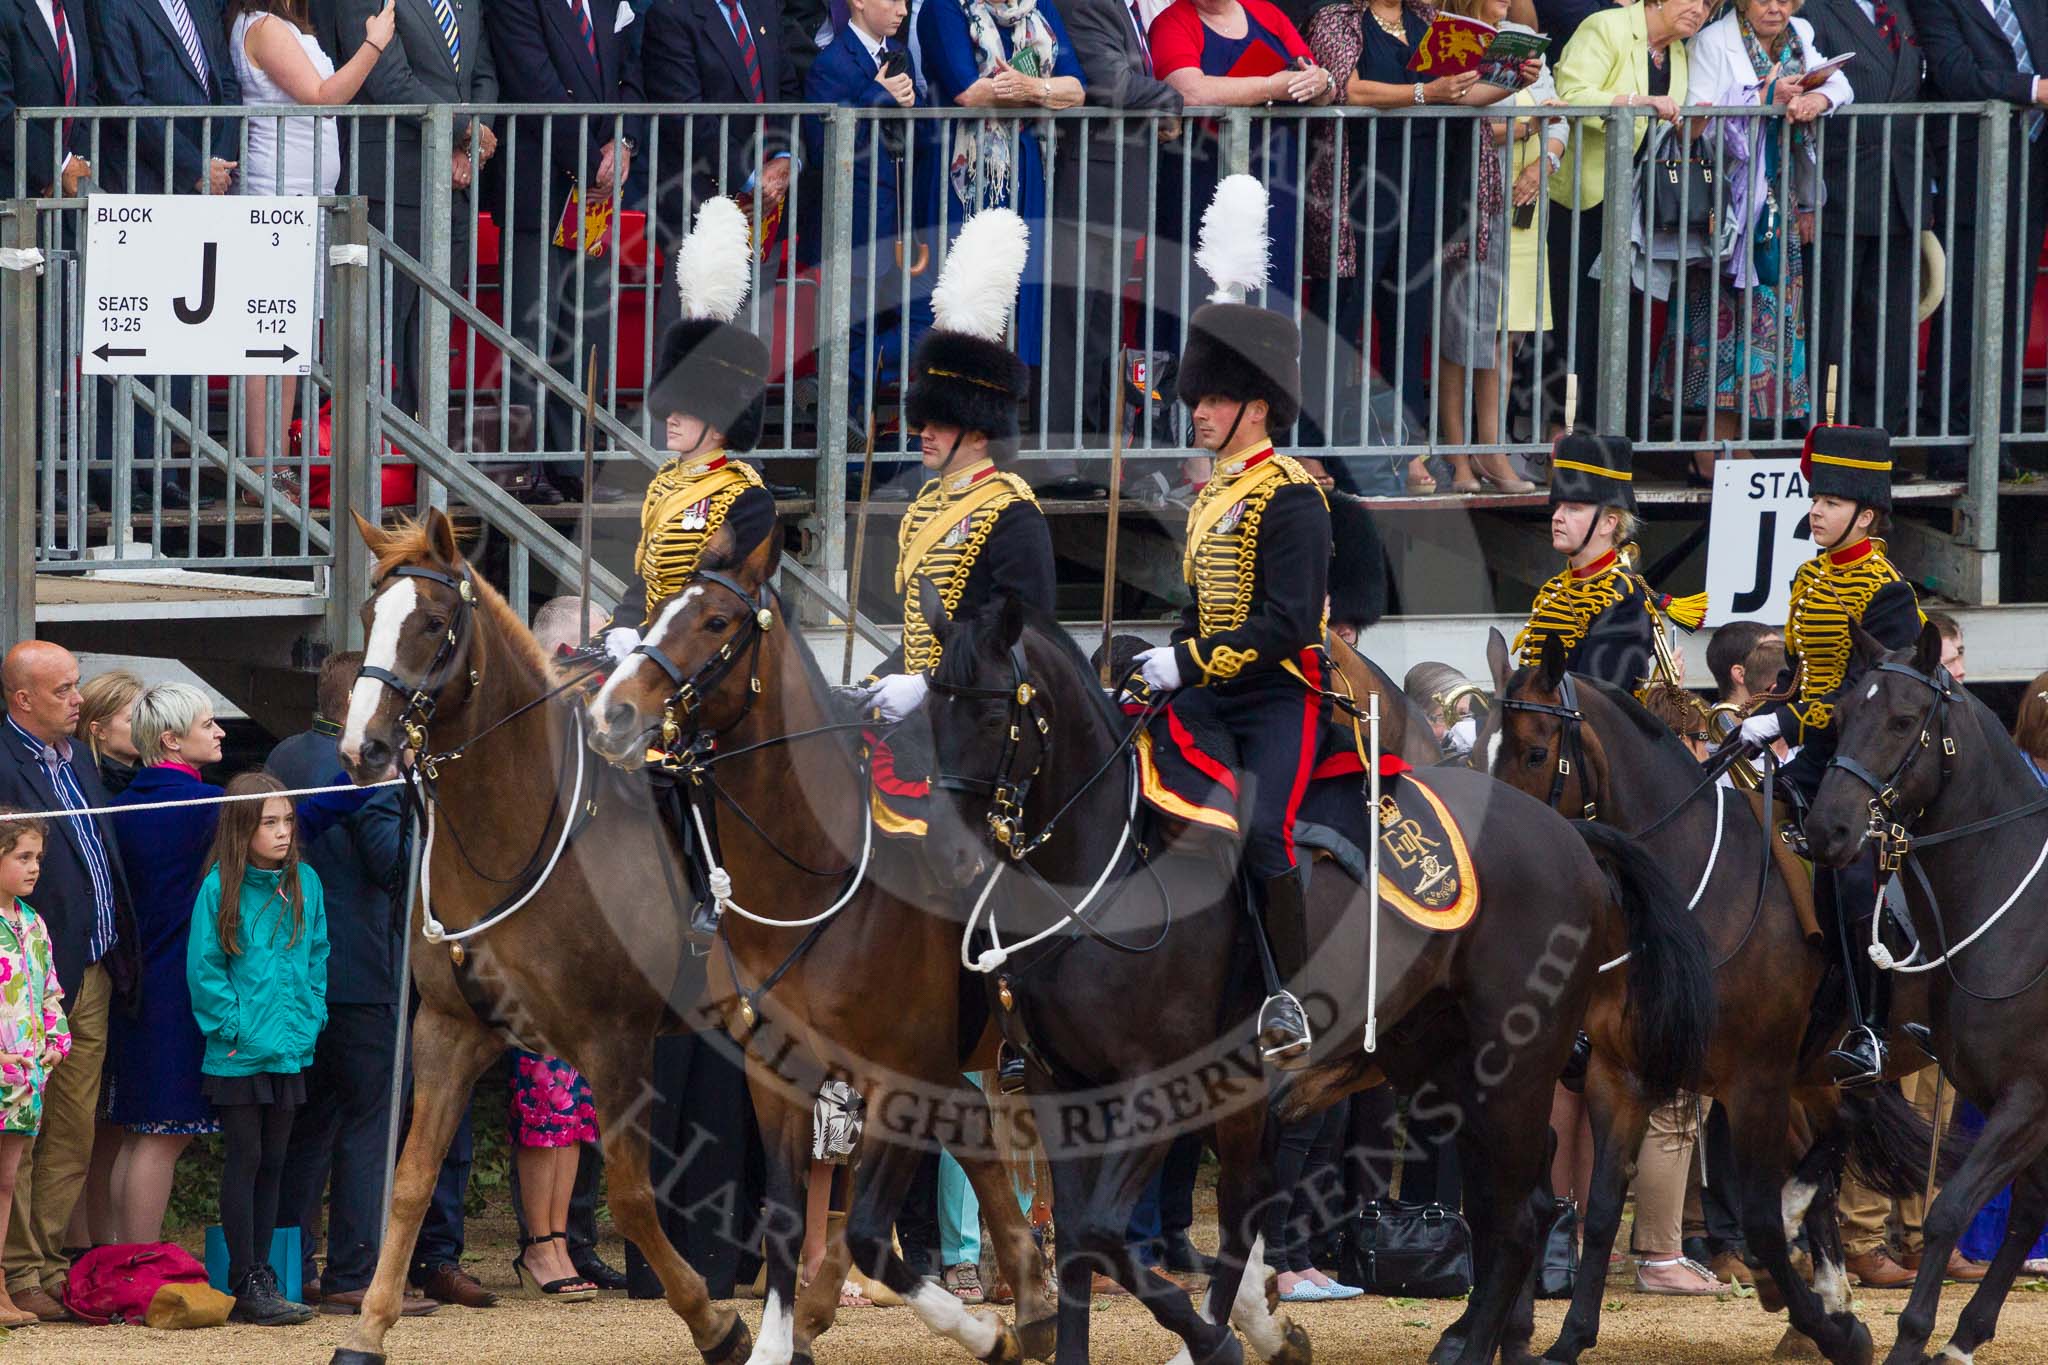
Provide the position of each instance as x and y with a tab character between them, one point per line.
263	1009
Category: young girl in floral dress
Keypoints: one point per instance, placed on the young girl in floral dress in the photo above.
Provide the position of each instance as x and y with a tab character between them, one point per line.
34	1035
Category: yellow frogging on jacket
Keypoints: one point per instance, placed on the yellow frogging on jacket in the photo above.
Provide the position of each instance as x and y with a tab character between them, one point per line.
944	531
685	505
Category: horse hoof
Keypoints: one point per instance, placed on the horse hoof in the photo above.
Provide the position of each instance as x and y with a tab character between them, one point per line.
1294	1347
738	1344
1008	1350
1229	1351
345	1355
1039	1338
1448	1349
1860	1349
801	1358
1769	1297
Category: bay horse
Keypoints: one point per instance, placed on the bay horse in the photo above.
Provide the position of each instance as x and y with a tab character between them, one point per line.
582	968
1924	771
1580	744
1137	1008
849	970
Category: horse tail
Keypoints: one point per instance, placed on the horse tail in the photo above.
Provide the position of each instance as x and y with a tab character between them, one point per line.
1670	1002
1889	1142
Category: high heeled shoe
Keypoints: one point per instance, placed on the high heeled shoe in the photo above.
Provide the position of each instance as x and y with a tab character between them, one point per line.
568	1289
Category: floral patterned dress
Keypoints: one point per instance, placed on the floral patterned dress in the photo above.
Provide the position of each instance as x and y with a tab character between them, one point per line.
34	1034
551	1104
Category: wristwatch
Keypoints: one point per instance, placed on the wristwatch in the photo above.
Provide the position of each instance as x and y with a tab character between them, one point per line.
1418	93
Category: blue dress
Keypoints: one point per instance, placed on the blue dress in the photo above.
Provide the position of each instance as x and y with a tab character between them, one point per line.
948	52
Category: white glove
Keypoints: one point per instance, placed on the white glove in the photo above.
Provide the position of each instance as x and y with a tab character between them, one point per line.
1761	729
897	695
1160	668
620	641
1460	738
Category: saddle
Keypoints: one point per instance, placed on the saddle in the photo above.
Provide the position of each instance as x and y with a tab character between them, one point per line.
1187	772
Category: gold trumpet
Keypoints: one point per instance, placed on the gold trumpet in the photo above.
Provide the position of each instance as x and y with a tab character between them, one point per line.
1448	701
1724	718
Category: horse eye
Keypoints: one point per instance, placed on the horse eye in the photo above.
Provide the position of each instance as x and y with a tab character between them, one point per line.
1535	757
435	625
1902	723
718	623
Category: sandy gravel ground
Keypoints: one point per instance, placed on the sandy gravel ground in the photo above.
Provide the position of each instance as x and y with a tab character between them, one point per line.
1638	1330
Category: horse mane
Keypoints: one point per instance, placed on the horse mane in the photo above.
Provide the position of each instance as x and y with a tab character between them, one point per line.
977	631
410	543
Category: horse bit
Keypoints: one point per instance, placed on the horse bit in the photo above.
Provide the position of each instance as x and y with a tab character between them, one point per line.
1005	792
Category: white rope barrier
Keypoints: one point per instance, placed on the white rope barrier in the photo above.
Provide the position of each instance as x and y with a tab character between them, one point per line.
292	794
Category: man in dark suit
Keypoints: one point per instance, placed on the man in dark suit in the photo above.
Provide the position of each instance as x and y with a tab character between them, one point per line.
170	52
1091	259
1872	238
82	897
561	53
45	60
426	64
1988	50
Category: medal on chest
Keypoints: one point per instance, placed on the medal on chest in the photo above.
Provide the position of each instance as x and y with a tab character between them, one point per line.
697	516
958	534
1229	521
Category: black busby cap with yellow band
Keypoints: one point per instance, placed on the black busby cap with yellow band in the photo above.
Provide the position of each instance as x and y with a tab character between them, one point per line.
1238	350
1848	462
963	373
710	368
1588	467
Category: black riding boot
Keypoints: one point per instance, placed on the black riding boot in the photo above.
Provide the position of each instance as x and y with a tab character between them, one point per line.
1283	1026
1860	1060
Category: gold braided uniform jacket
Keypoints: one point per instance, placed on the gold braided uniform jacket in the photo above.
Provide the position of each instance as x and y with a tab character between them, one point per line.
1258	563
974	533
687	503
1831	590
1603	616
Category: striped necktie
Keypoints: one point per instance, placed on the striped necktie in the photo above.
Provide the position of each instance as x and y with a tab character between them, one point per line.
582	8
444	15
181	20
744	36
65	62
2008	21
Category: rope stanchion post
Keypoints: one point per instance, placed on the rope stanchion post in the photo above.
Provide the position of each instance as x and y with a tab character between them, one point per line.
1372	875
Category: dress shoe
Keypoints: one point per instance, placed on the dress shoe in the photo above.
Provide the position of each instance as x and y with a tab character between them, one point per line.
350	1302
785	492
541	493
1180	1255
35	1300
1730	1269
1101	1286
452	1284
601	494
1961	1268
1877	1270
593	1268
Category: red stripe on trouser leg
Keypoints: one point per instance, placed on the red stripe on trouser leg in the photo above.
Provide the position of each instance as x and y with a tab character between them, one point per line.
1311	714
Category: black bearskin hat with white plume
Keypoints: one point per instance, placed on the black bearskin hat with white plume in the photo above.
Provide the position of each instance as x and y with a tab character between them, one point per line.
711	368
1237	350
963	373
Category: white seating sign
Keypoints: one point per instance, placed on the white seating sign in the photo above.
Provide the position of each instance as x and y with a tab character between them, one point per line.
1757	538
200	284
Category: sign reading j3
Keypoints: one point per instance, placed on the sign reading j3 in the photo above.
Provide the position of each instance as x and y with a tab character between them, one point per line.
200	284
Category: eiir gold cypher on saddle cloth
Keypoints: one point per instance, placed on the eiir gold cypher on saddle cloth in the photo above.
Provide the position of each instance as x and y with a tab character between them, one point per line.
1186	772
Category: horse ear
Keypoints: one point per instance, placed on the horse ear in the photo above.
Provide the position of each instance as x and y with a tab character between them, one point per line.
1553	666
766	559
373	535
1927	649
441	534
1497	660
932	606
1010	623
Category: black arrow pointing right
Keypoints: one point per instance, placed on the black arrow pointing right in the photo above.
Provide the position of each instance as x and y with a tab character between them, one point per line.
107	350
282	353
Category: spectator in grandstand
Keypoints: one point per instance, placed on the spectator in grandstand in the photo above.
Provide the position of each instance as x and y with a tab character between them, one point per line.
557	297
1491	264
1877	206
1387	234
1745	658
997	56
279	62
45	60
1985	50
1951	642
425	64
1739	360
82	898
2030	727
106	708
165	52
1631	56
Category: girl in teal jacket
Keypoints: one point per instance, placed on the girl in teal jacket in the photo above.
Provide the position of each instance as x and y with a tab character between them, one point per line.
257	968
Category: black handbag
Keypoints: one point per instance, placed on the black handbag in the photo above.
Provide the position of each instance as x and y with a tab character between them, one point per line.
1681	187
1557	1269
1421	1251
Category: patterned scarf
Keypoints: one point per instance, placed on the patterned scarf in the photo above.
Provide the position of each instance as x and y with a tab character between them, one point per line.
1790	62
981	162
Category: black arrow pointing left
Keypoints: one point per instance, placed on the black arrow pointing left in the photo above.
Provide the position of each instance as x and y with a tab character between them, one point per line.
107	350
282	353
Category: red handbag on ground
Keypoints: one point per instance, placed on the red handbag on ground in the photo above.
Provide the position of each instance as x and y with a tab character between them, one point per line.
114	1284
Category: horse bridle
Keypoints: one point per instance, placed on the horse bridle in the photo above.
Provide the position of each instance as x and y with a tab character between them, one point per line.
1005	790
1889	834
422	698
1571	747
689	692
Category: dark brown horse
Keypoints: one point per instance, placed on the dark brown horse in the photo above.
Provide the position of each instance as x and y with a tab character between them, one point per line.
583	969
849	968
1924	771
1134	1005
1589	746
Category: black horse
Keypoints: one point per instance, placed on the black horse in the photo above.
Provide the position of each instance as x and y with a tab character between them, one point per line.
1146	996
1583	744
1924	771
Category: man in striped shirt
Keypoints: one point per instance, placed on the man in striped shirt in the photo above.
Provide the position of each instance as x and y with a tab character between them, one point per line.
82	897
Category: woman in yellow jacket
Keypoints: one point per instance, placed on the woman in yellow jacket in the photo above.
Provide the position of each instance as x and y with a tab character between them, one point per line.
1628	57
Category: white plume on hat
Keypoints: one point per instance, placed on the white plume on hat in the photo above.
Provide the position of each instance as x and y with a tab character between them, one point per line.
714	265
978	284
1233	251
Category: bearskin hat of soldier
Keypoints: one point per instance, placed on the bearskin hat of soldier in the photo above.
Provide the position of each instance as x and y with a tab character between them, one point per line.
1849	462
1588	467
963	373
711	368
1237	350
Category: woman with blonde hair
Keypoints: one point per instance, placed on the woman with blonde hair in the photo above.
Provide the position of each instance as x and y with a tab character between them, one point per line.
105	704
